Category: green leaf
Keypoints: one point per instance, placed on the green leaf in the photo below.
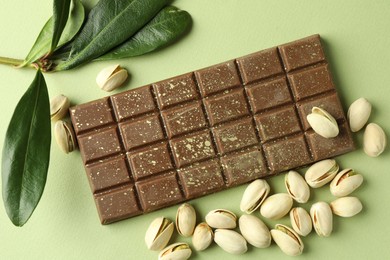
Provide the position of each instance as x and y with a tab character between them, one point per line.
26	153
168	25
60	17
109	24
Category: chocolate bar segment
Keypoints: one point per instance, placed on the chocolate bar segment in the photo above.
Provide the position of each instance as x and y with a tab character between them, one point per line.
208	130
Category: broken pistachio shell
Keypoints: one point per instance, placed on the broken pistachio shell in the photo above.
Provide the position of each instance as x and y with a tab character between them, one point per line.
346	206
185	220
323	123
59	106
65	137
230	241
374	140
111	77
276	206
321	173
254	195
254	231
221	218
159	233
300	221
345	183
203	236
322	218
297	187
287	240
358	114
177	251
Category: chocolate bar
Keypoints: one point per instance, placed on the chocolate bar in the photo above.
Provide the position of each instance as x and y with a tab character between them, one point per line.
208	130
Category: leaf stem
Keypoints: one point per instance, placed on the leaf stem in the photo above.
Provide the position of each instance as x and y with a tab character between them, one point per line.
10	61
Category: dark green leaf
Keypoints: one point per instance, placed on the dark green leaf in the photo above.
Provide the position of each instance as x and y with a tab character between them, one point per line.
168	25
60	17
26	153
109	24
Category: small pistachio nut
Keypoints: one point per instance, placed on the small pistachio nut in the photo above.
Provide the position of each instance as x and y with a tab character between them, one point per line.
346	206
322	218
177	251
297	187
111	77
59	106
185	220
65	137
221	218
323	123
300	221
159	233
287	240
358	114
276	206
203	236
254	195
230	241
374	140
345	183
321	173
254	231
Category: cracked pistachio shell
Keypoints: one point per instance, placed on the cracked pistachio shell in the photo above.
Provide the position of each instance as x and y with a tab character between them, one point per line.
345	183
287	240
185	220
230	241
358	114
374	140
322	218
59	106
346	206
254	231
203	236
297	187
177	251
321	173
276	206
111	77
254	195
323	123
65	137
159	233
221	218
300	221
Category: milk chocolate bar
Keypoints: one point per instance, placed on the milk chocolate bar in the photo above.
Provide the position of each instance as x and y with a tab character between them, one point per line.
208	130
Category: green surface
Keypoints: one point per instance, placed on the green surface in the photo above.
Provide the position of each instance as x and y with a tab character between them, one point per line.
65	224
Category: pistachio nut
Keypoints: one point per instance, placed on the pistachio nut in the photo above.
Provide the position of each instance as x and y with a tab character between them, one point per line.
230	241
158	234
374	140
276	206
254	195
65	137
177	251
300	221
323	123
111	77
287	240
185	220
321	173
346	206
297	187
322	218
203	236
221	218
59	106
358	114
345	183
254	231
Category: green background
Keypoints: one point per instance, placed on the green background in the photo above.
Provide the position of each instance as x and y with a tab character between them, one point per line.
65	224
